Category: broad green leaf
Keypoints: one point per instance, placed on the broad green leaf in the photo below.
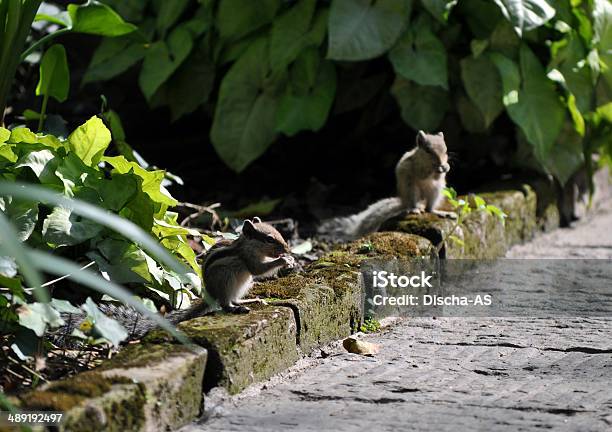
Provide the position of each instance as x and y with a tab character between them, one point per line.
307	101
192	83
420	56
169	12
62	19
5	134
162	59
151	180
64	306
8	266
364	29
122	261
131	10
245	117
482	16
504	40
54	78
22	214
422	107
96	18
73	172
526	15
43	163
439	8
237	18
568	57
23	135
567	156
289	35
113	57
37	316
532	101
90	140
65	228
471	117
602	27
117	191
483	85
106	327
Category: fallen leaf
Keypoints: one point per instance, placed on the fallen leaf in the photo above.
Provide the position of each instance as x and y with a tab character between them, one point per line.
357	346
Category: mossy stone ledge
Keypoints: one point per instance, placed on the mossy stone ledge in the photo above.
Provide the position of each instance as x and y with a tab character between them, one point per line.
243	349
481	236
328	299
144	388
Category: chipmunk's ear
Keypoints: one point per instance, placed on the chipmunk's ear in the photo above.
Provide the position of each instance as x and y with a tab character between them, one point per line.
421	138
256	219
248	229
441	134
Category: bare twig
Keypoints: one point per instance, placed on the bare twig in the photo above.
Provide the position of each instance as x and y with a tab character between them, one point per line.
200	211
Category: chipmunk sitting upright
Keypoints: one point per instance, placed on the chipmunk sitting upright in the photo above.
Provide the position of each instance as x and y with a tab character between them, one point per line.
229	267
420	175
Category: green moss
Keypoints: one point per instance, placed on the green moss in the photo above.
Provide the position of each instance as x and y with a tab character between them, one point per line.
370	325
142	355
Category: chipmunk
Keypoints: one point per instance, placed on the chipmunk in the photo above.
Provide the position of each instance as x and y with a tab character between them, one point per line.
228	269
420	175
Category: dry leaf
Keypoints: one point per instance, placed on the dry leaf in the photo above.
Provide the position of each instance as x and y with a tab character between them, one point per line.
356	346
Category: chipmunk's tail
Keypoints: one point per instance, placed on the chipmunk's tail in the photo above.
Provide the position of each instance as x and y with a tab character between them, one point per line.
360	224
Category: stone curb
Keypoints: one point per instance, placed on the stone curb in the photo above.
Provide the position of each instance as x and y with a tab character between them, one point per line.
159	385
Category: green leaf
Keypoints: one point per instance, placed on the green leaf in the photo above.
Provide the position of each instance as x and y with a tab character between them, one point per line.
5	134
191	85
440	9
504	40
471	117
237	18
122	261
307	101
117	191
162	59
290	33
90	140
531	101
422	107
364	29
113	57
8	267
64	228
22	214
37	316
568	57
483	85
96	18
54	78
420	56
107	328
567	155
526	15
43	163
169	13
602	27
64	306
245	117
151	180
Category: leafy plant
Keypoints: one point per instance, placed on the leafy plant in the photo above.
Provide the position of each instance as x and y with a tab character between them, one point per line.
370	325
16	18
86	205
271	68
463	208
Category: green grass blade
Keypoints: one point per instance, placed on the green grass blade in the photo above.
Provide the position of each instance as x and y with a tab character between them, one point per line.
11	246
123	226
61	266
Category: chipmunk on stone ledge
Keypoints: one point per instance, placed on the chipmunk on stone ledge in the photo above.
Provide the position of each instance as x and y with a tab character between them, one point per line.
420	175
228	269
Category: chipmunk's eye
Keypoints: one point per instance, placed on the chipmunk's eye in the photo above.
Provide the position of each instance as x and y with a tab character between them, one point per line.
270	239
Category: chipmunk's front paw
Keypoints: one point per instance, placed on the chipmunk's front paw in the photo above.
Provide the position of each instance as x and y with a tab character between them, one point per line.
289	261
415	210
